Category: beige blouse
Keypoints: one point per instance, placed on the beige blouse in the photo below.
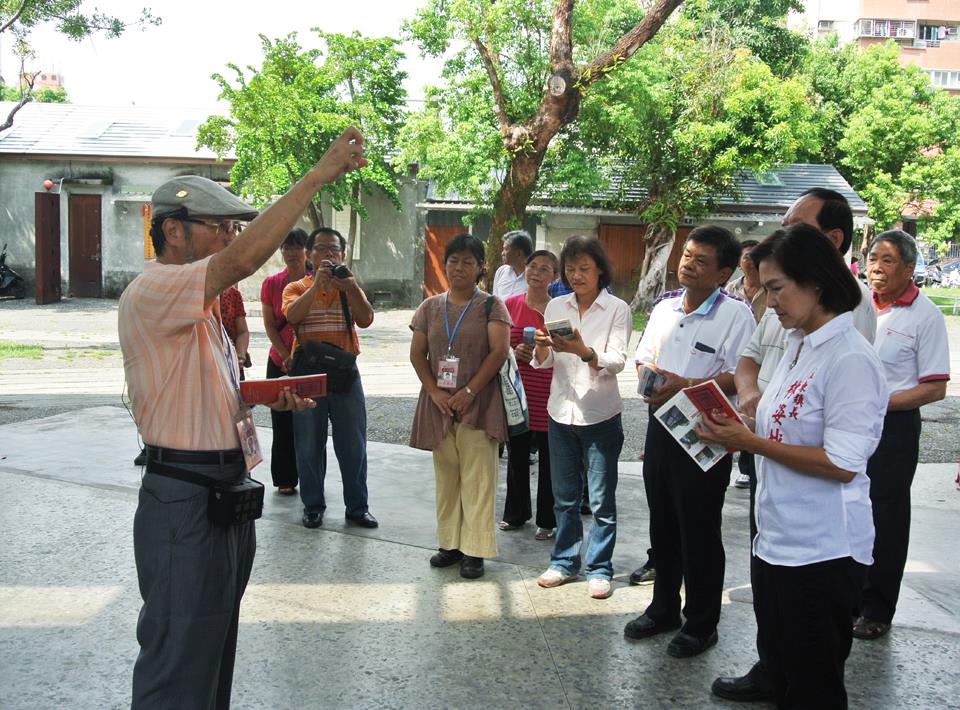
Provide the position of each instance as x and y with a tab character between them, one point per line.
470	344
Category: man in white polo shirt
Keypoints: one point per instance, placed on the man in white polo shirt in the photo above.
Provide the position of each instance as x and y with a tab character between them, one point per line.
912	344
511	278
693	337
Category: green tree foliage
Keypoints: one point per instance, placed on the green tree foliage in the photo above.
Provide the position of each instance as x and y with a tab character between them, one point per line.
889	131
41	96
18	18
284	115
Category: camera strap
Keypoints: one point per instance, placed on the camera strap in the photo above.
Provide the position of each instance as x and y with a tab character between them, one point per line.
162	469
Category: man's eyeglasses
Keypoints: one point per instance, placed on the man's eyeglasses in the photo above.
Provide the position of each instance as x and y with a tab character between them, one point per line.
327	249
226	226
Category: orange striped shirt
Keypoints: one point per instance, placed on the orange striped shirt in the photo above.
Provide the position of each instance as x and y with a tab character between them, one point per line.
325	321
180	365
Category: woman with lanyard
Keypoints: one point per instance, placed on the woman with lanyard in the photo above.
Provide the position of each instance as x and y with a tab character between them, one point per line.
817	424
526	312
584	423
460	340
283	458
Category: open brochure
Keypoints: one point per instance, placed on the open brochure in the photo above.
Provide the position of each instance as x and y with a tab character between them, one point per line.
682	412
266	391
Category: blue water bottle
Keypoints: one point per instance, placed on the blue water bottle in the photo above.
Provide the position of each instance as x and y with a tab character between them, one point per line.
528	334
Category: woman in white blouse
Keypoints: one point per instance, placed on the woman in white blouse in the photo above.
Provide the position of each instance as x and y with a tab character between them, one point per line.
584	410
818	422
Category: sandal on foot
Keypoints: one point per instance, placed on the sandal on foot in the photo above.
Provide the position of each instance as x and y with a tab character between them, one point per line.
287	490
543	534
867	630
504	525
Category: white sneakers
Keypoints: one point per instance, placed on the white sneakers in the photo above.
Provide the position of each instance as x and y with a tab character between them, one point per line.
597	587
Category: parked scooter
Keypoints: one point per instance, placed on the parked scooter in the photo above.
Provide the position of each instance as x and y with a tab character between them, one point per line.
11	283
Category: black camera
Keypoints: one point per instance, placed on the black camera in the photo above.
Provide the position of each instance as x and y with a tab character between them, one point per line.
339	271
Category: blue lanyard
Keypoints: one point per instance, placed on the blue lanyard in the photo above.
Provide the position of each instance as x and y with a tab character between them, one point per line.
446	319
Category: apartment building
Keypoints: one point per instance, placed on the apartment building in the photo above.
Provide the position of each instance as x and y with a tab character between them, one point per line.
927	31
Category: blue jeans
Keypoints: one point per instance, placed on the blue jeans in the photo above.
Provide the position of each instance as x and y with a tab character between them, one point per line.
347	412
595	447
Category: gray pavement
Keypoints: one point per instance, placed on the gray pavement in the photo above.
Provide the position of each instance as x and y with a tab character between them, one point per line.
348	617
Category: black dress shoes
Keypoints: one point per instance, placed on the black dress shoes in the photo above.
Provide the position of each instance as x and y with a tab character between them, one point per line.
752	687
445	558
364	520
643	627
686	645
312	520
471	567
643	575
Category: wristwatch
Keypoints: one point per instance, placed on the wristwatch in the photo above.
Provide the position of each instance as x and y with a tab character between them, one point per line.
470	391
589	358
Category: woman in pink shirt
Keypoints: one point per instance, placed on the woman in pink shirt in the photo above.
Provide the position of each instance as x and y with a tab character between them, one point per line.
283	460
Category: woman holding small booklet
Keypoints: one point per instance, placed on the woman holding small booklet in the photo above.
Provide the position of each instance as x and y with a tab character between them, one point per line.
817	424
585	343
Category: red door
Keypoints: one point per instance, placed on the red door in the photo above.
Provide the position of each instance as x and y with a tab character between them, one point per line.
624	246
84	243
435	241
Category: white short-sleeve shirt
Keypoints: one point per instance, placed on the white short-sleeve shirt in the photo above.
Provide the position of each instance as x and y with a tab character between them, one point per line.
703	343
506	282
912	341
828	392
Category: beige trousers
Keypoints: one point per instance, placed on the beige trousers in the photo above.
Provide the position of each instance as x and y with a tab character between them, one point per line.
465	464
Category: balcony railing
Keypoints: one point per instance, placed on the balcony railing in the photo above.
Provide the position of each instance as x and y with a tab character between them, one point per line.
926	43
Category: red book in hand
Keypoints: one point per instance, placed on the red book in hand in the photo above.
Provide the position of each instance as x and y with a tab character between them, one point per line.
267	391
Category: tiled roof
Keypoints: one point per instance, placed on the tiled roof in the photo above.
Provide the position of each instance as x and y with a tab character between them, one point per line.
99	131
775	190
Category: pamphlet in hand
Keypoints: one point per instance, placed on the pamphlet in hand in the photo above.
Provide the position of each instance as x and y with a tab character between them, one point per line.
266	391
559	328
649	380
687	408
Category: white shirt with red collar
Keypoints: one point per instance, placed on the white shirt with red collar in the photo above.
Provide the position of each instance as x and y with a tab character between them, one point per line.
912	341
827	392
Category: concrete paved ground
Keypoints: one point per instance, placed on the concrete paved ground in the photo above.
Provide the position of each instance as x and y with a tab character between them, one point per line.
346	617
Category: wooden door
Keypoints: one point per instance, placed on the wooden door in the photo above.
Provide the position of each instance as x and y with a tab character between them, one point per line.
435	241
84	223
625	249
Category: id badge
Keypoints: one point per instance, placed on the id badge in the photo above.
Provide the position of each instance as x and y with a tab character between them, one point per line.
249	443
447	375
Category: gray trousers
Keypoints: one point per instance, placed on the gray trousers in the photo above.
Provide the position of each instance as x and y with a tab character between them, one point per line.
192	575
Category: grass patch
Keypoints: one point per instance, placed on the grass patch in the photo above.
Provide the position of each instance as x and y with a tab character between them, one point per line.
639	321
943	293
10	350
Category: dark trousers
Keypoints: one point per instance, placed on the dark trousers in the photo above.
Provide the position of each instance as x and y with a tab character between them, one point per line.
516	507
192	575
283	456
891	470
803	619
685	519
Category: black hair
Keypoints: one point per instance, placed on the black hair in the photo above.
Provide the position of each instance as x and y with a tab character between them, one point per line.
723	242
519	239
296	238
809	258
156	229
549	254
905	244
748	244
466	243
326	230
835	213
582	245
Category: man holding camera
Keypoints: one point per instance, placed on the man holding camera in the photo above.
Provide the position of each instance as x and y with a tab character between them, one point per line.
323	309
193	562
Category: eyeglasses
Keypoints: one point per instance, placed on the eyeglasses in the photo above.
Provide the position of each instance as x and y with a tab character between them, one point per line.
327	248
227	226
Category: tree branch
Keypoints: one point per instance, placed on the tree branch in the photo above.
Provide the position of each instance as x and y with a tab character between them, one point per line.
561	36
25	95
9	23
498	103
628	44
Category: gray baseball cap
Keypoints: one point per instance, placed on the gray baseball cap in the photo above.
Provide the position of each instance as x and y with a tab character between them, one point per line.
198	197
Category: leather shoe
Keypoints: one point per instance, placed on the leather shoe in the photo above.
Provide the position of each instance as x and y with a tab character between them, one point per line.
643	627
686	645
752	687
312	519
364	520
471	567
445	558
644	575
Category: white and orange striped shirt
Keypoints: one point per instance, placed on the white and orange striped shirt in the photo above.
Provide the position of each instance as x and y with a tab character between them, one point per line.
325	321
180	365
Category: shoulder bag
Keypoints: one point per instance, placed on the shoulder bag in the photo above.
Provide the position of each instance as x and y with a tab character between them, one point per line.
315	357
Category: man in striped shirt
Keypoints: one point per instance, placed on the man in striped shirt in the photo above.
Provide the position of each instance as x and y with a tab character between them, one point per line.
183	380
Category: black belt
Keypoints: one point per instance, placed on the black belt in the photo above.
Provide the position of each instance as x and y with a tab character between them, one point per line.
209	458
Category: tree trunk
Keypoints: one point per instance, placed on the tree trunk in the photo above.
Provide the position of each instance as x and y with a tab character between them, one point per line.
659	244
510	205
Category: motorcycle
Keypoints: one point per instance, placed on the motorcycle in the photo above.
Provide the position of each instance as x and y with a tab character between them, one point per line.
11	283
